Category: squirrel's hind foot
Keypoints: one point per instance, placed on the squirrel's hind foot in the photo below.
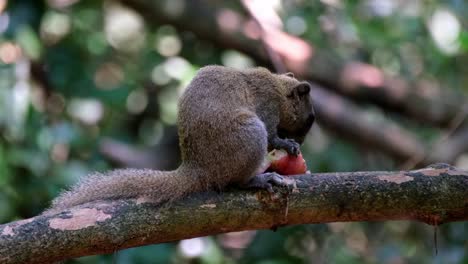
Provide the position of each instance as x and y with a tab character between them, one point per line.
266	181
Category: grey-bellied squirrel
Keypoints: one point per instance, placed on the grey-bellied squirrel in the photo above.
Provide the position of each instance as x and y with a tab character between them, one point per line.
227	121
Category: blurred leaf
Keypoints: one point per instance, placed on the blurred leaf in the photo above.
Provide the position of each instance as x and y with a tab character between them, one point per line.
30	42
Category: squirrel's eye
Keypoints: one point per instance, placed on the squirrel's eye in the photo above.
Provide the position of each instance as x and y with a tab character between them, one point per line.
290	95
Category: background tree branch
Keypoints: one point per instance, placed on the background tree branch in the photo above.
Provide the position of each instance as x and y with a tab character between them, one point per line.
434	195
218	23
345	119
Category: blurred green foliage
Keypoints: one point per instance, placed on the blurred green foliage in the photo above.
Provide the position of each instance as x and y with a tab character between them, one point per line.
75	72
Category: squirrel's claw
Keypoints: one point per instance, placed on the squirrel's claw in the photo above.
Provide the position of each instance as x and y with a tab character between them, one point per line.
290	145
266	181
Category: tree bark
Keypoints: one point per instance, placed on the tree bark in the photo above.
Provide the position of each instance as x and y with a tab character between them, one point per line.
434	195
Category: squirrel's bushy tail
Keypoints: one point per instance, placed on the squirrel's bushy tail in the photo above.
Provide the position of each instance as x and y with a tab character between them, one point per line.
160	186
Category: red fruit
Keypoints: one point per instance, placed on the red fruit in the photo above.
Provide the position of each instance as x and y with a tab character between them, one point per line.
285	164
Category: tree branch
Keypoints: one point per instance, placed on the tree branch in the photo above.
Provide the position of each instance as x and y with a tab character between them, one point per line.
434	195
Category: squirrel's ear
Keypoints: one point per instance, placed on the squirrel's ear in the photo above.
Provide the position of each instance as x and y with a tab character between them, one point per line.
289	74
302	88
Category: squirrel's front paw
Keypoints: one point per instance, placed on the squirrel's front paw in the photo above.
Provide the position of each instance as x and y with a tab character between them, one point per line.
291	146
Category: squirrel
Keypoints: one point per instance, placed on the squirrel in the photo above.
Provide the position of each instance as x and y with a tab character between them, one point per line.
227	121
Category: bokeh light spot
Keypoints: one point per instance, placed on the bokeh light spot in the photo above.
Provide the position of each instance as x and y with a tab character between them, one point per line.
176	67
159	75
88	111
296	25
192	247
9	52
237	60
108	76
55	26
169	45
137	101
445	29
124	28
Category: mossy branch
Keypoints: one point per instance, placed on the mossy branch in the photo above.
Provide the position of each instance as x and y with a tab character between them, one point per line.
434	195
